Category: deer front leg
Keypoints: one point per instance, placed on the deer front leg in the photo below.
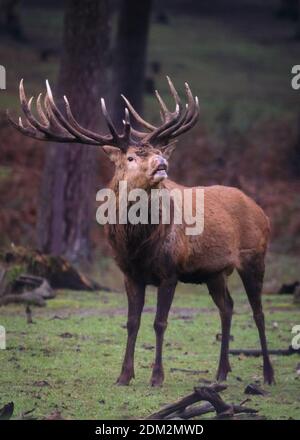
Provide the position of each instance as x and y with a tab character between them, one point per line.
217	287
136	298
165	295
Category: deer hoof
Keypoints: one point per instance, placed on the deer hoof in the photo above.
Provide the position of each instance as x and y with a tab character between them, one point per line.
269	375
156	381
124	380
222	375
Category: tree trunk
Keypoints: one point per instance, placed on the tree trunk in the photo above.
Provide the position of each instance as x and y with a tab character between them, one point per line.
130	55
297	34
10	22
68	192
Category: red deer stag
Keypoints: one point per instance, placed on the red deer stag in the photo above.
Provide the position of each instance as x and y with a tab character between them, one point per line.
235	235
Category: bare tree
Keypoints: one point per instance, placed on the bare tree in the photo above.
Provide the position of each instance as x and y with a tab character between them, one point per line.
130	54
68	192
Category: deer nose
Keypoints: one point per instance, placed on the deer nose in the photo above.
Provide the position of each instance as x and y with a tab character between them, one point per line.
160	161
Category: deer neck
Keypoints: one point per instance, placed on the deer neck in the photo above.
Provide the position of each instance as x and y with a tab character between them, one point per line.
135	234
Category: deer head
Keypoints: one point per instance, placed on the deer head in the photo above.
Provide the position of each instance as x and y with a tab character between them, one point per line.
141	157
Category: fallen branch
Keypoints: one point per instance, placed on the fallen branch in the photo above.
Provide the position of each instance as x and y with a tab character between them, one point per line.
35	297
281	352
182	408
189	413
185	370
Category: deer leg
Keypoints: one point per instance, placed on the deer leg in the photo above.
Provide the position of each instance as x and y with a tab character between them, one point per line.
165	295
136	298
252	275
217	287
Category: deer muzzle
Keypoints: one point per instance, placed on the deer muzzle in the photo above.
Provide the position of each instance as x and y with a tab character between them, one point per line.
160	168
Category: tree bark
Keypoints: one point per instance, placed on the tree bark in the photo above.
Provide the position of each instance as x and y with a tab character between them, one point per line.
130	55
68	192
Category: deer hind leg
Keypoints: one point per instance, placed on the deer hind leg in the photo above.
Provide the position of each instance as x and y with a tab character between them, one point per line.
136	298
252	274
165	295
217	287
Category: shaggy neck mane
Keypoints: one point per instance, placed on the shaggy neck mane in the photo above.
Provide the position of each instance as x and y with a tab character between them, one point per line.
139	242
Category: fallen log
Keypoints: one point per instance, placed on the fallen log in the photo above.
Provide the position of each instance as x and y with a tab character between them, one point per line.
183	408
288	289
59	272
253	352
36	297
297	295
185	370
255	390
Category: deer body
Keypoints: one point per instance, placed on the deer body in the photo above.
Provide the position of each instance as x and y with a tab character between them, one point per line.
235	228
235	235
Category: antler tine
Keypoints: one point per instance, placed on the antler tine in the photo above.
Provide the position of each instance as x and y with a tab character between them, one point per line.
109	122
53	126
151	137
27	111
31	131
102	140
82	135
20	127
188	119
168	131
174	93
61	122
189	124
35	128
189	108
166	114
174	123
137	117
40	110
127	127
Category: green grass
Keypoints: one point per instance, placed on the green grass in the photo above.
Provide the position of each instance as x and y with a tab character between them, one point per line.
80	370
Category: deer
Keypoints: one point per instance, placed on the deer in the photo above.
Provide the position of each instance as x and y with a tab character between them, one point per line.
235	235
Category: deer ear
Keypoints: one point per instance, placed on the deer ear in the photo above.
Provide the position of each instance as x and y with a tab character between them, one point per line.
113	153
168	150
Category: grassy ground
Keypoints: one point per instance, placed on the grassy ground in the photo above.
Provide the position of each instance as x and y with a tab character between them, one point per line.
69	359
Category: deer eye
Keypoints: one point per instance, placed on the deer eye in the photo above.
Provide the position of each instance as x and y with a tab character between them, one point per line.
130	159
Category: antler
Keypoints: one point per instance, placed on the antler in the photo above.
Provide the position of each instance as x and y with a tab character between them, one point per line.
173	123
52	125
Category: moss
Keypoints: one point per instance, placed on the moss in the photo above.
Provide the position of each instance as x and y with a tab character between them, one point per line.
14	272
